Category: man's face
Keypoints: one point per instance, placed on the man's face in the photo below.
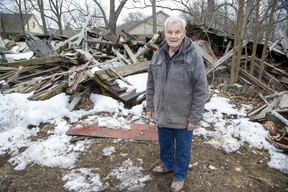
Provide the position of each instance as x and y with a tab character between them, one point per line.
174	34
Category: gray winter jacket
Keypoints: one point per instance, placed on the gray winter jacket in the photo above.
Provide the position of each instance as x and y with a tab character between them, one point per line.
181	97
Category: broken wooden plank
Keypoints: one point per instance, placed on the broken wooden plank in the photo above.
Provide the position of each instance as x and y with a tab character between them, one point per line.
47	94
88	56
40	48
120	56
36	61
205	55
255	81
131	55
219	62
267	109
120	76
142	50
223	59
124	70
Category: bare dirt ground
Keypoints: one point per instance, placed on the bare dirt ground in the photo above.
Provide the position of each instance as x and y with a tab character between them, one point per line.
245	170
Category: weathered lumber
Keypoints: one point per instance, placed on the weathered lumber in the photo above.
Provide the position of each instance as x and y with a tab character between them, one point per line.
120	76
129	35
256	111
278	94
46	94
120	56
204	54
79	77
50	76
129	52
267	109
256	81
103	42
124	70
223	59
83	31
88	56
36	61
284	41
42	72
40	48
142	50
62	45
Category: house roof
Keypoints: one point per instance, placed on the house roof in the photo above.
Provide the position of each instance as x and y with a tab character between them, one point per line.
12	22
125	26
132	24
66	32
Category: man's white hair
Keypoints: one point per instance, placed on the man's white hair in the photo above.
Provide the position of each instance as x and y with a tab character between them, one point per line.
175	19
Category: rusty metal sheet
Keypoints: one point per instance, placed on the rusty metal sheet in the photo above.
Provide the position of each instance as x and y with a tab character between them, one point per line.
136	131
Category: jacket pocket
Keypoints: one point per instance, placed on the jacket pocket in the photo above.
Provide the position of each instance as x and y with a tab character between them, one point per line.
178	112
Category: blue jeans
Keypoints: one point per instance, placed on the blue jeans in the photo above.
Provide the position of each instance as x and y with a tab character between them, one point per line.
175	150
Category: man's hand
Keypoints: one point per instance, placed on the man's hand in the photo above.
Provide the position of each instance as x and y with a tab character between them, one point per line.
192	127
150	114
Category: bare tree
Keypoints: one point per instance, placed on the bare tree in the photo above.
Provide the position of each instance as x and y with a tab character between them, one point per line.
211	10
267	32
18	7
134	16
237	49
77	15
110	23
38	5
50	9
256	29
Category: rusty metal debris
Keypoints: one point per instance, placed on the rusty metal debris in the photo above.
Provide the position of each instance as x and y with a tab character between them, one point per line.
137	131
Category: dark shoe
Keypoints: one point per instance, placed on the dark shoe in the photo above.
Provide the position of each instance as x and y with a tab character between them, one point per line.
177	186
161	169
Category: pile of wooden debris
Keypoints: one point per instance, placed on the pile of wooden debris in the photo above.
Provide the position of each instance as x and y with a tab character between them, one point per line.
90	59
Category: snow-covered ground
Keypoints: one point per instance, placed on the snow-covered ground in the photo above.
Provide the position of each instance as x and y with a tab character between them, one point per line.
20	119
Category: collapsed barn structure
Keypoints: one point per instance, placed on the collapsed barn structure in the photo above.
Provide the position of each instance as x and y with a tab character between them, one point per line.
94	60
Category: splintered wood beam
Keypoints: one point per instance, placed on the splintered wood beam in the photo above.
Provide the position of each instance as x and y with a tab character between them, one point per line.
143	50
205	55
223	59
131	55
89	57
39	47
120	76
121	57
47	94
123	70
256	81
36	61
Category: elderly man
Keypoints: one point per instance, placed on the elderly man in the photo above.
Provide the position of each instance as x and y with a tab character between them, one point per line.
175	97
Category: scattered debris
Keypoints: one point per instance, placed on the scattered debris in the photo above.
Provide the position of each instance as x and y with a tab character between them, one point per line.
94	60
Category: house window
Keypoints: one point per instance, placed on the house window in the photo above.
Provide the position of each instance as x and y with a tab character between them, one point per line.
33	24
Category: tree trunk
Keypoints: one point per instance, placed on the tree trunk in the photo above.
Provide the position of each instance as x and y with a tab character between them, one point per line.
267	32
211	11
154	17
114	15
41	9
255	37
19	5
237	48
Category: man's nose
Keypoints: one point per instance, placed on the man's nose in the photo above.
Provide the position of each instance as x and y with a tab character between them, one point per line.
173	34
